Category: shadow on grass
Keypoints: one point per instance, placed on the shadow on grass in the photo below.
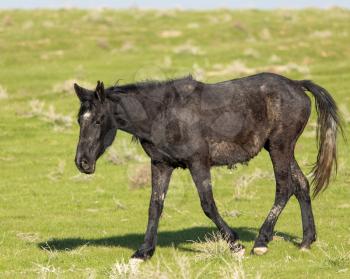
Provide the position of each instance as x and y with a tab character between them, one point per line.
165	239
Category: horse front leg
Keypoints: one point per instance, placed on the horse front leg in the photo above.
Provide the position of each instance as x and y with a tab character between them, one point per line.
161	174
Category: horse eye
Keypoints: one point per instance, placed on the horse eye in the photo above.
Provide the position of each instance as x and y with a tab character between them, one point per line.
98	122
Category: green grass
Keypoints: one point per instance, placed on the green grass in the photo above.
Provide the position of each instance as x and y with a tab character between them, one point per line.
56	223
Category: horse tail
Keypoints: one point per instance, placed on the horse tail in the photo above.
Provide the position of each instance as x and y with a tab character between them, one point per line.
328	126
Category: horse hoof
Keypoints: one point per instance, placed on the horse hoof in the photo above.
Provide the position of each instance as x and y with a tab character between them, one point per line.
304	249
240	253
260	250
238	249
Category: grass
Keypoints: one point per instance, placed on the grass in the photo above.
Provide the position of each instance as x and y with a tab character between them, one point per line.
56	222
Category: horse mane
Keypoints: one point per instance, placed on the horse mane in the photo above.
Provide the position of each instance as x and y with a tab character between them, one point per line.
147	84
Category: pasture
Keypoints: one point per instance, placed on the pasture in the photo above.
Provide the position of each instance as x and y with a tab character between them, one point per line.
58	223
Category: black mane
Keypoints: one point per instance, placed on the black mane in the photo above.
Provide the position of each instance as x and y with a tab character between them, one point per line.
147	85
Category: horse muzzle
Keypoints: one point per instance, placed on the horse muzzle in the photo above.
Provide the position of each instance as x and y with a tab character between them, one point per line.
85	166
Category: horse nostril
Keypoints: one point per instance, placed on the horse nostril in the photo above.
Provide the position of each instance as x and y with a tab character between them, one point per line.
84	164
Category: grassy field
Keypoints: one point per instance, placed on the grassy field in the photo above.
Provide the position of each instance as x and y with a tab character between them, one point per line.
55	222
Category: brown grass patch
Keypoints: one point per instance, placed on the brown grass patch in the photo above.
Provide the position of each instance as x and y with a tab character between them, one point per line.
237	67
193	25
188	48
3	93
139	176
39	110
241	186
125	153
251	52
28	237
265	34
57	172
170	34
322	34
102	43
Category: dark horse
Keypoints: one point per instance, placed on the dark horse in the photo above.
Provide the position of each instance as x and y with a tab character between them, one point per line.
189	124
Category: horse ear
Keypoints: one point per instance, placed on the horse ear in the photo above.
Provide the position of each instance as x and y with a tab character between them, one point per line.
100	91
82	93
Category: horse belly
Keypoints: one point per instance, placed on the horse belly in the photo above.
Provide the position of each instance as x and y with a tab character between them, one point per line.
231	153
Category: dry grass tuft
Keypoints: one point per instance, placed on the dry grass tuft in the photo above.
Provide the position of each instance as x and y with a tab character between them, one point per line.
170	34
3	93
27	25
127	46
240	26
47	271
188	48
81	177
139	176
290	67
28	237
214	246
232	213
7	20
198	72
275	59
113	157
102	43
57	173
344	205
322	34
97	16
237	67
48	24
118	204
251	53
124	154
222	18
265	34
166	13
52	55
235	270
178	267
122	270
335	256
241	185
193	25
37	109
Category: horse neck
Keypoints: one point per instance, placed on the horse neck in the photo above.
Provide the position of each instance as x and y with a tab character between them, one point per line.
141	106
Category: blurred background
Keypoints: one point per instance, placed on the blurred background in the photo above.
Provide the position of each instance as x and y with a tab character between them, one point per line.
186	4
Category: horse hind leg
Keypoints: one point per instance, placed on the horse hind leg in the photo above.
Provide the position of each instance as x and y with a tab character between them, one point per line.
201	176
302	193
281	154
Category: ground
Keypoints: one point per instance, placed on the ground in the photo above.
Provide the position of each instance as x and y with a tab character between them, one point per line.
56	222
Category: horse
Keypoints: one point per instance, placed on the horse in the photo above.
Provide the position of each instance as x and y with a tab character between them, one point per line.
185	123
